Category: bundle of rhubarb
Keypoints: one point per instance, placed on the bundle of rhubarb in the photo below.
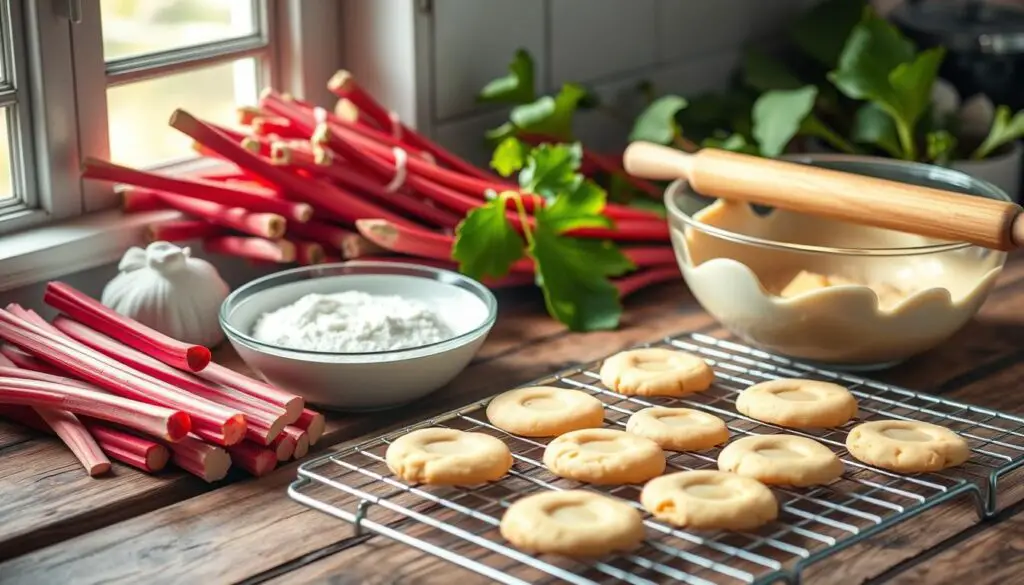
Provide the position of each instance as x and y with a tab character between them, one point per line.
111	388
303	184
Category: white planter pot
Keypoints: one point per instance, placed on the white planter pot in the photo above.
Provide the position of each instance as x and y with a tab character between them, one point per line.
1003	170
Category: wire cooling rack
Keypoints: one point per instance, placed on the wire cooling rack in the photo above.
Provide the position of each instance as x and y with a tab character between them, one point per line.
461	524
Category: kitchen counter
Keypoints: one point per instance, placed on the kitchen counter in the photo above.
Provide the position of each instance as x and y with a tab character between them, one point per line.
57	525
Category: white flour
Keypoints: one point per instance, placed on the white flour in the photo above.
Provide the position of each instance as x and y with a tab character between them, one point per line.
351	322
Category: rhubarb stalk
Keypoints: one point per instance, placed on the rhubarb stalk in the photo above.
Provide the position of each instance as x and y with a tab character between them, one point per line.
301	438
209	462
74	434
284	447
259	249
263	225
91	312
313	423
224	376
182	230
257	460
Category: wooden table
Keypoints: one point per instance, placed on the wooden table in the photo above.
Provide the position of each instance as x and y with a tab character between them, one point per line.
59	526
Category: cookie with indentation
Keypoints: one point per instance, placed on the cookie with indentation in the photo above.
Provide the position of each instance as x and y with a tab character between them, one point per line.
708	499
545	411
678	429
656	371
443	456
604	456
574	523
907	446
781	460
798	403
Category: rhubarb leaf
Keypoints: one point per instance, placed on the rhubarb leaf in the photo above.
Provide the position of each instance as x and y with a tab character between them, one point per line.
550	117
486	243
573	273
657	123
821	31
551	169
871	125
778	116
1004	129
579	207
509	156
517	87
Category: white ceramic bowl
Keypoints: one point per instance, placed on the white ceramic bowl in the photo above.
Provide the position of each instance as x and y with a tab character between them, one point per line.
362	381
737	261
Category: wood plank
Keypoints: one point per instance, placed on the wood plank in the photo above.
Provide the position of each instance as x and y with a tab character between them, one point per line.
663	311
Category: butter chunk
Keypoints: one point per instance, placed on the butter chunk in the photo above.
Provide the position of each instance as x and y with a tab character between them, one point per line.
804	282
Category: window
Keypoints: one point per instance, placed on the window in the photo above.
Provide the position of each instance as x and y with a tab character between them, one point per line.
101	78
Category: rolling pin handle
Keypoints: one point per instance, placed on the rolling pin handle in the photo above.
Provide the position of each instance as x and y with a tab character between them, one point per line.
657	162
1017	231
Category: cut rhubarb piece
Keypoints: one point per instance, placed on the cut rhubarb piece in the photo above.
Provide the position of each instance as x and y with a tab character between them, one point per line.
224	376
182	230
208	462
284	447
313	423
259	224
256	249
113	376
83	308
257	460
301	438
78	439
150	419
260	426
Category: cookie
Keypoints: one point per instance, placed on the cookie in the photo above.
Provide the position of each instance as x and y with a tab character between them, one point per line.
574	523
544	411
604	456
781	460
709	499
441	456
907	446
678	429
655	371
799	404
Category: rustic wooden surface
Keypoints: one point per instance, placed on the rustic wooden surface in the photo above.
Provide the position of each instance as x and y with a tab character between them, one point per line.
58	526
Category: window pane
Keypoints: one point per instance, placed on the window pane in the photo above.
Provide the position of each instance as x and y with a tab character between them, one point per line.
6	178
138	112
138	27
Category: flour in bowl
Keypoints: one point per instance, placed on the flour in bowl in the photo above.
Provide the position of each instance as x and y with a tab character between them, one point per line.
351	322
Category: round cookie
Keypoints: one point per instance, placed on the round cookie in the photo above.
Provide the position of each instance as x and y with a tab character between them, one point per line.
907	446
655	371
797	403
678	429
574	523
709	499
442	456
604	456
781	460
544	411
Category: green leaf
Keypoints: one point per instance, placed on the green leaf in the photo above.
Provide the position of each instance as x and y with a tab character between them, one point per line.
814	126
550	169
573	273
509	156
872	125
514	88
501	133
733	142
873	50
912	84
1004	129
940	146
821	31
764	73
486	243
548	116
657	123
579	207
778	116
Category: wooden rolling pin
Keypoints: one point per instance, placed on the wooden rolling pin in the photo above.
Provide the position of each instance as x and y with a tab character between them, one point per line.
838	195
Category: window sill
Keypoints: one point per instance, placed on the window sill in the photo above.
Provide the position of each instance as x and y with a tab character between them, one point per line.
56	250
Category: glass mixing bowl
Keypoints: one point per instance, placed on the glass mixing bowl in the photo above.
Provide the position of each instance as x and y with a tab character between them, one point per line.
891	295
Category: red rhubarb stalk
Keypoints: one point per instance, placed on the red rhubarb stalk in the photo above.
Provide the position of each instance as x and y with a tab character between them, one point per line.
327	234
301	439
313	423
150	419
275	126
74	434
250	199
263	225
26	362
181	230
308	253
209	462
279	251
224	376
260	426
257	460
39	376
321	196
139	452
115	377
284	447
85	309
